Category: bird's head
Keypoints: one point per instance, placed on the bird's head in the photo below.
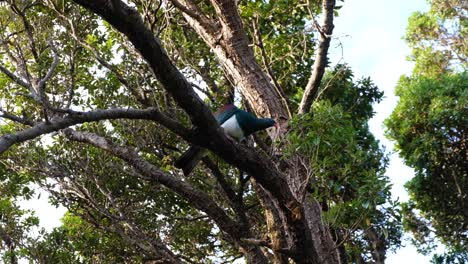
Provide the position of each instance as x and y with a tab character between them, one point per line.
271	122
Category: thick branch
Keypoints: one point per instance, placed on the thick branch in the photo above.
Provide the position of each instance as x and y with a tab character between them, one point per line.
234	52
209	134
378	245
128	21
274	222
57	124
229	42
191	9
197	198
318	69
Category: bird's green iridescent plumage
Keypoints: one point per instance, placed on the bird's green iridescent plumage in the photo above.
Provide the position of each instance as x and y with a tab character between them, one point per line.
237	123
248	122
226	112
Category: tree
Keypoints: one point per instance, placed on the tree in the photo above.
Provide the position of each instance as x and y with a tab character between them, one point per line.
432	140
95	75
437	38
429	127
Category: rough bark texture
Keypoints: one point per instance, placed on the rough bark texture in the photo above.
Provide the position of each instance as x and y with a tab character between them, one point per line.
322	239
228	40
274	222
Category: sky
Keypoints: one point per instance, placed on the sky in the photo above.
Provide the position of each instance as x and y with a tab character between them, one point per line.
367	36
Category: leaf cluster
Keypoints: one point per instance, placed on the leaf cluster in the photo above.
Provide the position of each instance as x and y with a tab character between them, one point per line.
429	127
346	163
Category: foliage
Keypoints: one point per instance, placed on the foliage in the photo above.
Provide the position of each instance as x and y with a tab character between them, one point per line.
437	38
457	256
77	241
283	40
16	224
429	128
431	140
346	165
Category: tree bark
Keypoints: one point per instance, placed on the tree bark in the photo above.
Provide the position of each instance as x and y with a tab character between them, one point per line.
308	238
228	40
74	118
275	224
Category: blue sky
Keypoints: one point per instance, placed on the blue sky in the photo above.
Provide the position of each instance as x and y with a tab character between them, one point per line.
370	33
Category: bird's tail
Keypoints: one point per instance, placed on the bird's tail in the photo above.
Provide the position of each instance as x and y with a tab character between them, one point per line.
190	159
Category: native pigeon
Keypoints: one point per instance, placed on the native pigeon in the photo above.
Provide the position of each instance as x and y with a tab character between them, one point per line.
236	122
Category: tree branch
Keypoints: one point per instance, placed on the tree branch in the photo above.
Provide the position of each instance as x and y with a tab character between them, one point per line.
59	123
41	83
266	64
139	95
208	133
15	78
15	118
121	223
318	69
197	198
236	204
192	10
129	22
10	244
27	26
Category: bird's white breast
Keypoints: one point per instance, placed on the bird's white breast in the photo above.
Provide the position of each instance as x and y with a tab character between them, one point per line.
232	128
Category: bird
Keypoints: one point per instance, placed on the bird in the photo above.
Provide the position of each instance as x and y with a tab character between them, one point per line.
236	123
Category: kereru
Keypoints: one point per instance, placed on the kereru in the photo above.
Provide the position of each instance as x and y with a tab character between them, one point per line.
236	122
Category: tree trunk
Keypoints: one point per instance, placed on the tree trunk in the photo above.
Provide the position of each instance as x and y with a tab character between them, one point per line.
229	42
274	223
